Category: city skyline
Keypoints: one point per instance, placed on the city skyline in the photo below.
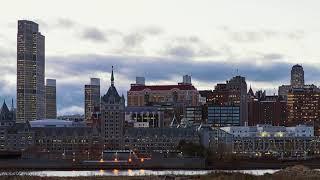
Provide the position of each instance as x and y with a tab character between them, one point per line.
133	48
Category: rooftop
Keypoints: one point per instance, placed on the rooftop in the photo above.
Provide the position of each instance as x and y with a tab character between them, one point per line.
162	87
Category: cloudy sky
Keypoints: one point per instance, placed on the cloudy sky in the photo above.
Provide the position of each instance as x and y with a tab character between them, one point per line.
162	40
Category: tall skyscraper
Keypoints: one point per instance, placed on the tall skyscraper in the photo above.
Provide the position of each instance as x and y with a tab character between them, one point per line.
92	98
51	99
30	72
297	76
112	117
237	88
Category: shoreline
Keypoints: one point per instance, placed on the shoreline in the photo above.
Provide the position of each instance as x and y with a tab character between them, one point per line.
58	165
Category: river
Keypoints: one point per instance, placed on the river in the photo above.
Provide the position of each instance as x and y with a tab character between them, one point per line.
140	172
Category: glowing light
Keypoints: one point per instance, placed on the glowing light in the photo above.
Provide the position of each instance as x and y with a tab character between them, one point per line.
130	172
115	159
142	160
101	171
101	160
141	172
129	160
115	172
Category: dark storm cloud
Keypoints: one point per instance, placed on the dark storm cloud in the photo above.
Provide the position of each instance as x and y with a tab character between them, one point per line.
94	34
156	69
166	68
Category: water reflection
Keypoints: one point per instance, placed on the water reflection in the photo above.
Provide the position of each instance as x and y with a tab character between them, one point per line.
141	172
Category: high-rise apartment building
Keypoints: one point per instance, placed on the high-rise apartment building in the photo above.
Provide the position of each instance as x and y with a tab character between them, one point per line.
303	107
92	98
51	99
112	117
30	72
297	76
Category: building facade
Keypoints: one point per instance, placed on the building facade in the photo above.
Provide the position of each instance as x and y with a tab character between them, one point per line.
297	76
144	95
270	110
112	117
144	117
194	114
221	116
303	107
232	93
270	131
148	140
91	99
51	99
30	72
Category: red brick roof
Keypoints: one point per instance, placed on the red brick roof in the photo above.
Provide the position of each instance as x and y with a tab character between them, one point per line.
162	87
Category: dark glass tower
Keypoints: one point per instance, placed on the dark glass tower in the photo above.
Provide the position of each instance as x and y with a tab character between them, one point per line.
30	72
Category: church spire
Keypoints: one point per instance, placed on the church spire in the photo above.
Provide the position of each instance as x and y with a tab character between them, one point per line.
112	78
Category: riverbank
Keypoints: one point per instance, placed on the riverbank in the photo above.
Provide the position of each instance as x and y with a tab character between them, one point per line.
296	172
63	165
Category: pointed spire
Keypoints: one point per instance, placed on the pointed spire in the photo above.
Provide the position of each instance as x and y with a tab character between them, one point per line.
112	77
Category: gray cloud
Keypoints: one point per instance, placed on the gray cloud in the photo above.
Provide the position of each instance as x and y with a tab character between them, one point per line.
94	34
166	68
180	51
65	23
153	30
261	35
273	56
188	47
133	40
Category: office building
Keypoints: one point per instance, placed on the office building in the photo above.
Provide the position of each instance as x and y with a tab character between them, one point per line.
91	99
221	116
232	93
283	91
303	107
297	76
193	115
51	99
112	117
264	109
297	81
30	72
